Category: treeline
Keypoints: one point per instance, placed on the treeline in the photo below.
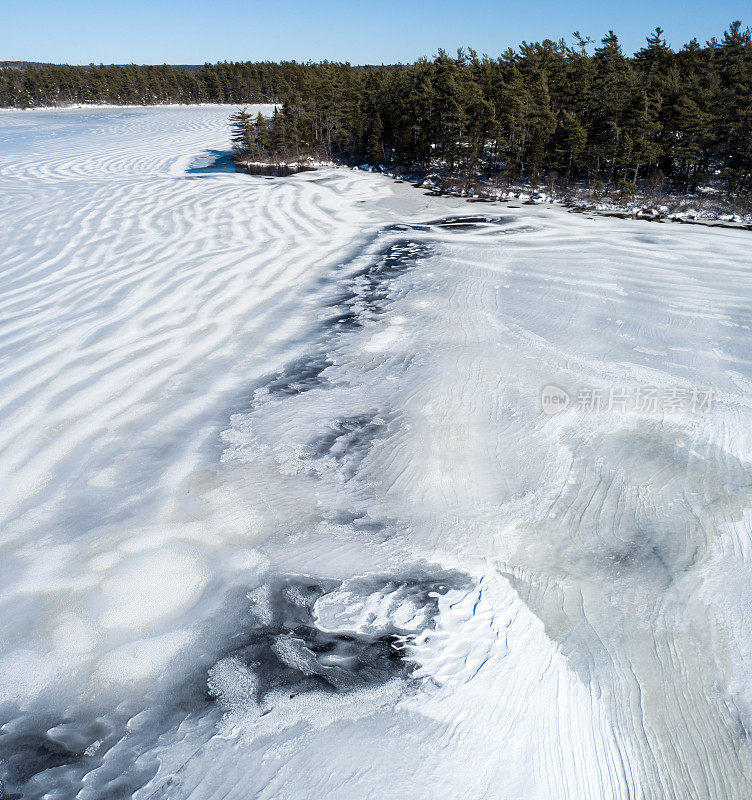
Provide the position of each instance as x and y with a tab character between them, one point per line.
548	112
225	82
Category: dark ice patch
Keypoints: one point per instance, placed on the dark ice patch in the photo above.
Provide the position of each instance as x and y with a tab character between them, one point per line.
368	292
462	223
299	376
286	651
349	440
38	753
24	755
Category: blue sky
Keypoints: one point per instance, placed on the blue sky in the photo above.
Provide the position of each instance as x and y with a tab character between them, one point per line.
190	32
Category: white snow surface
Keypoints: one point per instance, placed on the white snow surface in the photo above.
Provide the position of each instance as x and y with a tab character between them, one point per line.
280	514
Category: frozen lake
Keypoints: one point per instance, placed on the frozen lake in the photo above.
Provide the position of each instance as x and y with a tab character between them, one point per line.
283	511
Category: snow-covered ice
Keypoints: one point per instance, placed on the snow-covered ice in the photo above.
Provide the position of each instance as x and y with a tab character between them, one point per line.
282	516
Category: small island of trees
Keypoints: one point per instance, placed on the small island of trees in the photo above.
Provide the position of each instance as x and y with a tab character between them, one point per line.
548	112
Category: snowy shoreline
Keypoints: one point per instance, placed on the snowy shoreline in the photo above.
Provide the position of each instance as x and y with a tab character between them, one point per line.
691	209
698	209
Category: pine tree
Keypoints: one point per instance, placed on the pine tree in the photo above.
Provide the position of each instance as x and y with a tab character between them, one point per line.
262	138
611	85
242	133
278	135
375	140
570	141
734	59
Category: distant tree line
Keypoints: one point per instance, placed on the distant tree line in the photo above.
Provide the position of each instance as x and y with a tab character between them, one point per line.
546	112
224	82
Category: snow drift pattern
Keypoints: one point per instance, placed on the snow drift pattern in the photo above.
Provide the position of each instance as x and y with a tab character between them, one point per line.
282	516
